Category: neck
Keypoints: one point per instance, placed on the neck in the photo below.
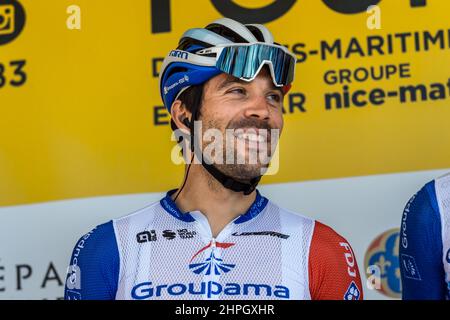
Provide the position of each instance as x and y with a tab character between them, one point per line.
204	193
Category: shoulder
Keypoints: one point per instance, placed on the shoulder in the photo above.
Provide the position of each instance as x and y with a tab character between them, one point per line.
326	238
97	239
320	235
333	270
330	248
424	201
142	216
98	245
94	268
323	235
105	234
104	238
421	212
94	265
291	218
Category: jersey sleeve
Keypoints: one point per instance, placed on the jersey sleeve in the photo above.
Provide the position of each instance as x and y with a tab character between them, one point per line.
421	267
333	270
93	272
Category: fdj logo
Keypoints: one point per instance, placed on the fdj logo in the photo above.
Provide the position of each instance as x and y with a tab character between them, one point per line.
12	20
383	253
161	18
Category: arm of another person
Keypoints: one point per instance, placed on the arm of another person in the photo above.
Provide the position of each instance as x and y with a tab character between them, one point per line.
420	253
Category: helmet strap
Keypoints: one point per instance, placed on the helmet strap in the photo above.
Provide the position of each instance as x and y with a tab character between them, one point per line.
231	183
225	180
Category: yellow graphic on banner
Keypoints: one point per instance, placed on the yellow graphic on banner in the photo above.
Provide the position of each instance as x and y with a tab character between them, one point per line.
7	21
81	113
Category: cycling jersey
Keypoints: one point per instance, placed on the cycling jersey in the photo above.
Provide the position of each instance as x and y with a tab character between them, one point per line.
159	252
425	242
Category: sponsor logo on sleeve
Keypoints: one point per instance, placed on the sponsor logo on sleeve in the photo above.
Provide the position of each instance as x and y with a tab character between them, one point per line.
410	268
352	293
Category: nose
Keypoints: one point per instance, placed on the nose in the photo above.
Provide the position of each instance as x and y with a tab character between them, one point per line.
257	107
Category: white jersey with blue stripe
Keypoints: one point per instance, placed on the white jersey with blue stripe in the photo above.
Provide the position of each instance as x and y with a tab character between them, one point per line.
159	252
425	242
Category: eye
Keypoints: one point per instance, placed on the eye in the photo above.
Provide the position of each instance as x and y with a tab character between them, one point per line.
275	97
237	90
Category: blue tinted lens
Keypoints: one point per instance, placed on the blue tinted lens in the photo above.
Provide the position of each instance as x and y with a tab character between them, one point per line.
244	61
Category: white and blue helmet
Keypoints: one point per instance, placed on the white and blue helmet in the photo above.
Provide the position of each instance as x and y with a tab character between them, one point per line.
224	45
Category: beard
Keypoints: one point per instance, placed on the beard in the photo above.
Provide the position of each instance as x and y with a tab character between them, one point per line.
239	157
241	172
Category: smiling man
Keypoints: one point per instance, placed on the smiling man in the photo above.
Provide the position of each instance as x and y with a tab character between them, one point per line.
217	237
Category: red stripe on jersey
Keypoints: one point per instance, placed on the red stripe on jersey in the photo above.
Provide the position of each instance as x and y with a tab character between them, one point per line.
333	270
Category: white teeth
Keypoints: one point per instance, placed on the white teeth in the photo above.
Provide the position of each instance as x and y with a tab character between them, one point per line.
251	137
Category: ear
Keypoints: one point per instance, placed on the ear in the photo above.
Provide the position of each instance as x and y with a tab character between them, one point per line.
180	114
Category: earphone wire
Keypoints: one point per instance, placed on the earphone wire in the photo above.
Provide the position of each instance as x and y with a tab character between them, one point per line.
185	178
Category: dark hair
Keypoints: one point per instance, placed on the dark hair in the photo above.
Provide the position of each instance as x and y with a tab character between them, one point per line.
192	99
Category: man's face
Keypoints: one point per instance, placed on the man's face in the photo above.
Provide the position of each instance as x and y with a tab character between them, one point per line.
244	113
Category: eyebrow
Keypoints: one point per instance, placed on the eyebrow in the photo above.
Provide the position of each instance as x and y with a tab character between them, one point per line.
231	80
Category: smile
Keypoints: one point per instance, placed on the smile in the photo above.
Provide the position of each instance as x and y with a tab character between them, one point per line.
252	135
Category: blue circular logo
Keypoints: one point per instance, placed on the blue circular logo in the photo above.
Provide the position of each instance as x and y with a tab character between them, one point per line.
382	259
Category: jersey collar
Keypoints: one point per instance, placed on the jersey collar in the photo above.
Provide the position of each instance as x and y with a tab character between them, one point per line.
169	205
